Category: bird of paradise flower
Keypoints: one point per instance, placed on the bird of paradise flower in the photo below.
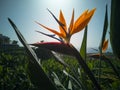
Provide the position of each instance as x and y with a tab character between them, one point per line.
104	48
74	27
65	35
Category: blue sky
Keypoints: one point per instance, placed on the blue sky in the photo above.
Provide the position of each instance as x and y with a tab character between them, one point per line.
24	13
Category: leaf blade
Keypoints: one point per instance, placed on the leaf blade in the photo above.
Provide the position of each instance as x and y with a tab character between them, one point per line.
84	45
34	63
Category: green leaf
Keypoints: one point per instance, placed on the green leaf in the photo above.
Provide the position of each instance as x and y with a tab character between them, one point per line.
104	31
80	85
59	59
57	81
40	79
115	27
70	85
84	45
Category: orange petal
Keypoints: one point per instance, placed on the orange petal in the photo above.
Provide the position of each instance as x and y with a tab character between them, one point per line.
53	31
82	21
81	17
62	20
71	22
105	46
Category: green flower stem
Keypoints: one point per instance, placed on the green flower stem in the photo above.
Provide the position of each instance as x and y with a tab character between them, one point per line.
86	68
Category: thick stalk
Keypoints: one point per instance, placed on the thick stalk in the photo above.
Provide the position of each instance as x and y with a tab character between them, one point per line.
86	68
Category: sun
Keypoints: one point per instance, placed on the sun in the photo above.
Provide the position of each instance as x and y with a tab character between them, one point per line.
57	3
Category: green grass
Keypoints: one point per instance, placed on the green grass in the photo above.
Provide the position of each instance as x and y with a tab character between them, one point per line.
13	73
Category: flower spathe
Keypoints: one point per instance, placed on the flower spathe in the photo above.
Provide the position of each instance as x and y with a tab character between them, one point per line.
74	27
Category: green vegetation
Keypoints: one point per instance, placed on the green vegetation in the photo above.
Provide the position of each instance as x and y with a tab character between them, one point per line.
14	75
13	72
109	80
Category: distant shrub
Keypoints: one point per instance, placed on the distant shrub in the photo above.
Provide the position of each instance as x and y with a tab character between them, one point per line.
13	74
